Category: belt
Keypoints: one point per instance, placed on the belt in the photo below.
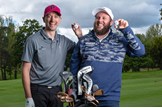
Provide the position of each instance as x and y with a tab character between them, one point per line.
49	87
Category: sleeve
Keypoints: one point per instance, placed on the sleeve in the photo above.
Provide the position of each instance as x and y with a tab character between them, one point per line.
135	46
75	60
71	45
68	43
28	51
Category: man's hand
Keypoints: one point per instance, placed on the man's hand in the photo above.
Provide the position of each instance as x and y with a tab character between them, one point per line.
29	102
121	24
77	29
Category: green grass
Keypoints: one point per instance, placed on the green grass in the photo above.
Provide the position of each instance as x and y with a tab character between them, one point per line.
139	89
11	93
142	89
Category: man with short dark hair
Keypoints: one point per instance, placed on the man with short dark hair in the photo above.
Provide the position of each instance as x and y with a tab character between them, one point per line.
43	59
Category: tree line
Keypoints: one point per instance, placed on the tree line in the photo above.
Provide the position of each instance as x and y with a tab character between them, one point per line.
12	38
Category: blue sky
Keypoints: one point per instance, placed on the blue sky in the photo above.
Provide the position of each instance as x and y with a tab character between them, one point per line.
140	13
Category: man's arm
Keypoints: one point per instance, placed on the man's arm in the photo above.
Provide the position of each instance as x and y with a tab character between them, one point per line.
26	79
135	46
26	84
77	30
75	60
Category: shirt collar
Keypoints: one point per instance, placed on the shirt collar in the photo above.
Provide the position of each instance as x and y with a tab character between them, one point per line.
45	36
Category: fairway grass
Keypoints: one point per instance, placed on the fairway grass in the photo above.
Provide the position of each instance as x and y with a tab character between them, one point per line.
139	89
143	92
11	93
142	89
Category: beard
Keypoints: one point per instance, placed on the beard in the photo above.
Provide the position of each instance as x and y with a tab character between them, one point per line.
103	31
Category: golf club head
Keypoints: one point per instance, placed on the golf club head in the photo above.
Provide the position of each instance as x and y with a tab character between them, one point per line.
67	78
69	81
82	71
86	69
89	82
95	88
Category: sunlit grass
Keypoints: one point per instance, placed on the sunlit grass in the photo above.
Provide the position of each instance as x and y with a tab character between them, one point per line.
139	89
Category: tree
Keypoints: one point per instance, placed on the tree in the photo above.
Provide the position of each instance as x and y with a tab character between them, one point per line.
154	31
11	44
153	43
156	51
7	29
28	28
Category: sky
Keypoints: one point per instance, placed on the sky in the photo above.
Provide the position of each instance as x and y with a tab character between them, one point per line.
140	14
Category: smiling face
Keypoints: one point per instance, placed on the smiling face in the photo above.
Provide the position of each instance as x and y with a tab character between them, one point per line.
51	20
102	23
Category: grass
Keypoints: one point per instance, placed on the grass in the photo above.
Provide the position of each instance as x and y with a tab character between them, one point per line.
142	89
11	93
139	89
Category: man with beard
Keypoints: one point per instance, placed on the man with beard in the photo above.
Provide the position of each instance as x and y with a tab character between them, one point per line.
104	49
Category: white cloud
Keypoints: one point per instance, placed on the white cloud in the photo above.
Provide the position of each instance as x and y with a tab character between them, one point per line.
141	30
140	14
68	32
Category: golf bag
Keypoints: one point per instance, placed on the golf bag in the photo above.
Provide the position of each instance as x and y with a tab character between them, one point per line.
79	91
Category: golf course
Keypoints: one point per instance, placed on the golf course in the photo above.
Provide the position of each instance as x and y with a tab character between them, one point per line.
139	89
